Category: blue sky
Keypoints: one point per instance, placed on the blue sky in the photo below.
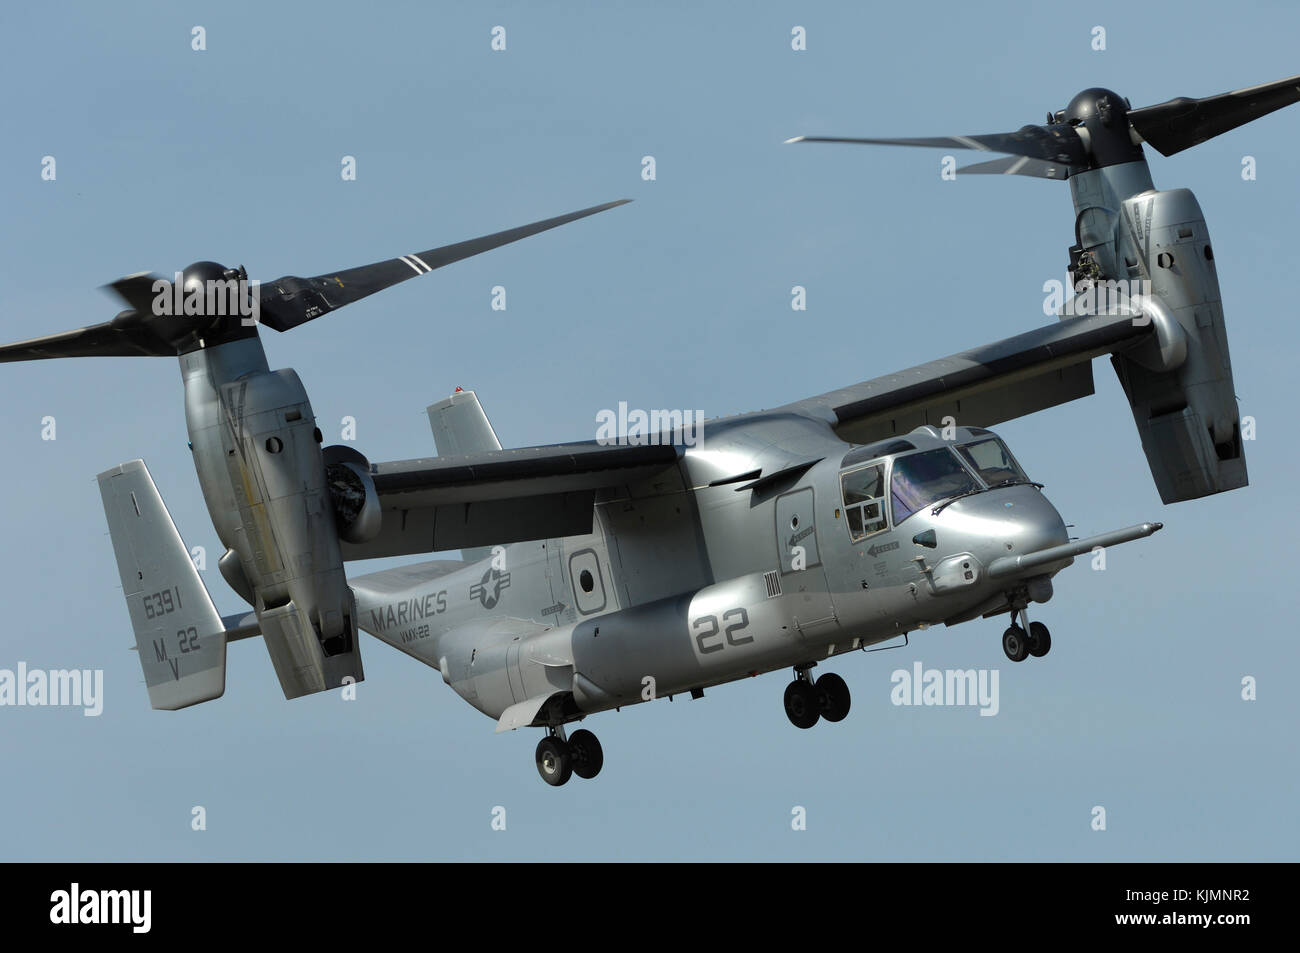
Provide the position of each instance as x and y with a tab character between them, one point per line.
166	155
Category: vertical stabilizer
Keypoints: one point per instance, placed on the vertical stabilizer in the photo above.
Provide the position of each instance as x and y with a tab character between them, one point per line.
460	426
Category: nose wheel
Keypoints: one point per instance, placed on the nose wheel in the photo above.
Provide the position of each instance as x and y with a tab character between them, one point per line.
1021	641
1015	643
808	701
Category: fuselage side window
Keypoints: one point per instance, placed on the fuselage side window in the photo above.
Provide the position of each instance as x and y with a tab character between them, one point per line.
863	490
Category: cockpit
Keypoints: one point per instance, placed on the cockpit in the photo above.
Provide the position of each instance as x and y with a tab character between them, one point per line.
883	484
989	457
926	477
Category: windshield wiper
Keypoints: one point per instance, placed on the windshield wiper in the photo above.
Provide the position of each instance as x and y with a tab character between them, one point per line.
953	499
996	486
1016	481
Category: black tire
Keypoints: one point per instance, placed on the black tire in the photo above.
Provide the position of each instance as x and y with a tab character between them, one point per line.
1040	640
554	762
801	704
1015	643
833	699
585	752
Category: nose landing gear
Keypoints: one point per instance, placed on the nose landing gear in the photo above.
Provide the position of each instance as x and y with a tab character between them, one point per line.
1040	640
1019	644
1015	643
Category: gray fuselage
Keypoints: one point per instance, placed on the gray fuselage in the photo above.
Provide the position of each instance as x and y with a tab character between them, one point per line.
743	562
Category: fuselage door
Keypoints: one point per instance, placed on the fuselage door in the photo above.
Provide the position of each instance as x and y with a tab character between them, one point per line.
796	531
803	579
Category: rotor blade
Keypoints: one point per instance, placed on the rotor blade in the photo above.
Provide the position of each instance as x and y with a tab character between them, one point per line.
1017	165
137	291
127	335
1055	143
1182	123
290	301
110	339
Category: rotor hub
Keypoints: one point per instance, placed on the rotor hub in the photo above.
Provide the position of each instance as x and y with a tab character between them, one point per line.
208	302
1103	113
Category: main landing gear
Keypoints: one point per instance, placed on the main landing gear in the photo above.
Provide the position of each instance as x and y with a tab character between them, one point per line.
806	701
1020	641
559	758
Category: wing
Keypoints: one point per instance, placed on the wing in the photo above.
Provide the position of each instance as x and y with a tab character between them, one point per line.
986	385
501	496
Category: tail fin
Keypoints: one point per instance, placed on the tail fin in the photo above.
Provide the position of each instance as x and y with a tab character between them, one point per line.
179	634
460	426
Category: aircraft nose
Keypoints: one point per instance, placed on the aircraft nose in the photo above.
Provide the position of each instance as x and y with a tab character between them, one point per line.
1010	521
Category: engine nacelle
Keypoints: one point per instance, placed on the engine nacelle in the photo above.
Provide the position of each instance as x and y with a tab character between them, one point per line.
259	445
1187	415
357	514
1179	382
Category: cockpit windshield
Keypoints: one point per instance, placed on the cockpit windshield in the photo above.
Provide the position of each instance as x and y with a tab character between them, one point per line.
991	459
927	477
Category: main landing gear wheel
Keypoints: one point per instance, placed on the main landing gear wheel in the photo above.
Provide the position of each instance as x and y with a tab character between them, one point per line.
801	705
832	697
554	762
586	753
1015	643
1040	640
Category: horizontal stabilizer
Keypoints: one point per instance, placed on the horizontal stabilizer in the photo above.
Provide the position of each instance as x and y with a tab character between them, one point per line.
241	625
389	583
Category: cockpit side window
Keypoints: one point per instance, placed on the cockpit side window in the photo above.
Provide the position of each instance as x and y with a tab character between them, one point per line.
991	459
863	490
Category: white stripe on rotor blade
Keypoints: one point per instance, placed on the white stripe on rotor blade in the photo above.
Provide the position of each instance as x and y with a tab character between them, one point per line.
971	143
414	267
427	269
1017	165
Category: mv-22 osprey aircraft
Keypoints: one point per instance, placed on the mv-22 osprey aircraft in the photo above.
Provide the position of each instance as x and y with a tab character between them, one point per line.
602	574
